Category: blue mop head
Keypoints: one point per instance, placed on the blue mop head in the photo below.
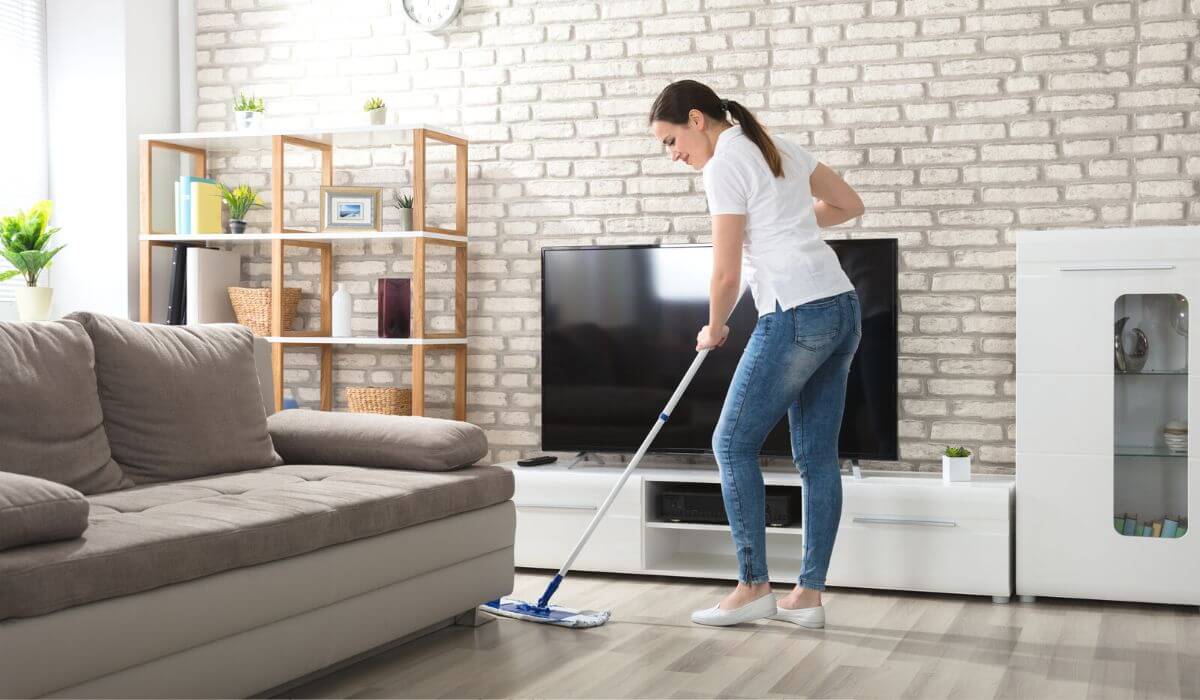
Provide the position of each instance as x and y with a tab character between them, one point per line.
546	614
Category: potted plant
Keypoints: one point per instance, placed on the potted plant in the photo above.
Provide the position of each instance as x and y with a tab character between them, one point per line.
23	241
956	464
238	200
247	111
404	203
376	111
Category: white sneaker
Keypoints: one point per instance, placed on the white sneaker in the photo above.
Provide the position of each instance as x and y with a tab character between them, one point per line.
754	610
812	618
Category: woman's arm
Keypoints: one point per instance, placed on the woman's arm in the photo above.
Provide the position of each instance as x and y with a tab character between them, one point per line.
729	231
838	202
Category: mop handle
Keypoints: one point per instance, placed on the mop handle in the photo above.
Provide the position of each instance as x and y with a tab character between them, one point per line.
612	496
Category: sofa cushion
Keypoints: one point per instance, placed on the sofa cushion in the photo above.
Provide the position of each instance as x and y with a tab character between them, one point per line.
51	425
159	534
34	510
373	440
179	401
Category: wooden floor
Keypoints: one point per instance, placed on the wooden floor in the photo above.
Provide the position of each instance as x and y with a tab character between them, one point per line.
876	645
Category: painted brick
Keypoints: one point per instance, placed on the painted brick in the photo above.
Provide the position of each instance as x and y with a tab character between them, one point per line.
958	121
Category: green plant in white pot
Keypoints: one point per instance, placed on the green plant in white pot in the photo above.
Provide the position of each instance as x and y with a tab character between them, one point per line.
956	464
376	110
24	241
404	204
238	200
247	112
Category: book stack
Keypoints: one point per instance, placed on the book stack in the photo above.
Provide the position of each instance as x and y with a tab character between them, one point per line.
1128	524
197	205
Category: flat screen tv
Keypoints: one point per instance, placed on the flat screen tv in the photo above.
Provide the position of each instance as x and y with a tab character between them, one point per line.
619	328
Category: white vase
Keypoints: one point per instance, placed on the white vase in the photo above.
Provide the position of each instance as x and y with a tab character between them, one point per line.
406	219
33	303
377	116
343	309
956	468
243	119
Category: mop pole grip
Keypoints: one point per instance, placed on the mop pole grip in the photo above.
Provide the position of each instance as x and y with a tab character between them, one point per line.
545	599
662	419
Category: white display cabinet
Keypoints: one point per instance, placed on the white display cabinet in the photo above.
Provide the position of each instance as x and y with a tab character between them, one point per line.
1104	394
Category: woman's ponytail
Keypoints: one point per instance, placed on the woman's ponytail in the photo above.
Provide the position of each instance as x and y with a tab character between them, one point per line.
678	99
756	133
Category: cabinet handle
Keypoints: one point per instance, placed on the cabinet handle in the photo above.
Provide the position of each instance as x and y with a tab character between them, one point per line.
906	521
556	507
1092	268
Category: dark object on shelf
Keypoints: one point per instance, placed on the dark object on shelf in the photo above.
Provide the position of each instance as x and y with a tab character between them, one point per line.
177	302
702	503
395	307
536	461
237	226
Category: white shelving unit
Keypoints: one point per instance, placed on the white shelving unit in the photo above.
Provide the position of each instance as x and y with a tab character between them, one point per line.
239	238
262	139
326	340
1090	443
898	530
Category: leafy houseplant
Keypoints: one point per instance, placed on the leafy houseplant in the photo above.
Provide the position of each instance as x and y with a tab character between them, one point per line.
247	111
956	464
376	110
404	203
24	238
238	200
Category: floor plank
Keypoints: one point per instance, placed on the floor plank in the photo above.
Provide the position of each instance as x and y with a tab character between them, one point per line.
876	644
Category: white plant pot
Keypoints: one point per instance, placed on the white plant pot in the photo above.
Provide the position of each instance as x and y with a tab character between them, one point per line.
377	116
244	120
956	468
33	303
406	219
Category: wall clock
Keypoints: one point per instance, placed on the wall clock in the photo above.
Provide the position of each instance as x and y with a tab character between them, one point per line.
431	15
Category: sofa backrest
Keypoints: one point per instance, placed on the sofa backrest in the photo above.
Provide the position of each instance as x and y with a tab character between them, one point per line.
179	401
51	421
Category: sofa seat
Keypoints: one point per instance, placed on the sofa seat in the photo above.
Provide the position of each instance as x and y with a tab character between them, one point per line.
150	536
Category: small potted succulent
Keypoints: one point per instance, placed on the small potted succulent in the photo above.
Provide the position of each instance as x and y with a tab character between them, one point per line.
23	243
376	110
247	111
404	203
238	201
956	464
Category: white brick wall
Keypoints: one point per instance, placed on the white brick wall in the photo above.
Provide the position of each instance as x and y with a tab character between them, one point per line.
958	120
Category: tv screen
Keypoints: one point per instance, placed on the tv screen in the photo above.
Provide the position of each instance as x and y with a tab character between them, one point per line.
619	328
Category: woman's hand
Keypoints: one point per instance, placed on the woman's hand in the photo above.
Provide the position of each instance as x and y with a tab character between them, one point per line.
707	338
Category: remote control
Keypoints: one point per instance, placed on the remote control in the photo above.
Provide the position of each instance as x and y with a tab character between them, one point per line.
536	461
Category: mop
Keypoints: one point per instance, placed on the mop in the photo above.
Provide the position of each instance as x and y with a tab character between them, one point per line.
549	614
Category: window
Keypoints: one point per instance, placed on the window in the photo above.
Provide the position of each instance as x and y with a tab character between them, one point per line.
23	147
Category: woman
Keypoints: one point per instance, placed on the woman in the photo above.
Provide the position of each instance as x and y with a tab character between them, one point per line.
768	197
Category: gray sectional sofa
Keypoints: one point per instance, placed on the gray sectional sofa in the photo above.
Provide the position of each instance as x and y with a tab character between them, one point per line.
162	535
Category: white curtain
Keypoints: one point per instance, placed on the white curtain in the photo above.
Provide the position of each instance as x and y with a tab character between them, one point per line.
23	147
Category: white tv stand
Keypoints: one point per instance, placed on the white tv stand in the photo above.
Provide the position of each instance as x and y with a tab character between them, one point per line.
899	530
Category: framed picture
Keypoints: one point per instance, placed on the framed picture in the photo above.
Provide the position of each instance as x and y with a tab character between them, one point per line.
351	209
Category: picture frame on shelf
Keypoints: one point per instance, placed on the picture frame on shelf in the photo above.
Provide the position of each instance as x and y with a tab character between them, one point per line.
351	208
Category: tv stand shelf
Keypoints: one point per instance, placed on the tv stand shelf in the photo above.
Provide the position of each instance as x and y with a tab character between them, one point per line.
899	530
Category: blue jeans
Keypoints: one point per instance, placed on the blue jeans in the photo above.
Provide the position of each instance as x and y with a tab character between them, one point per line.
796	362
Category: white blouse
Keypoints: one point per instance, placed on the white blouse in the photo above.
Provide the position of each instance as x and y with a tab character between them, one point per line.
784	258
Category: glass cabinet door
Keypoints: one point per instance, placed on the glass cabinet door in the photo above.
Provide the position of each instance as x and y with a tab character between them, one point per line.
1150	415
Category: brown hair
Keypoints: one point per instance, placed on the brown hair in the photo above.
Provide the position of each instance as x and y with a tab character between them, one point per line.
678	99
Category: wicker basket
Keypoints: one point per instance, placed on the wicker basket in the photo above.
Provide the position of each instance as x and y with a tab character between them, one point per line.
252	306
389	400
